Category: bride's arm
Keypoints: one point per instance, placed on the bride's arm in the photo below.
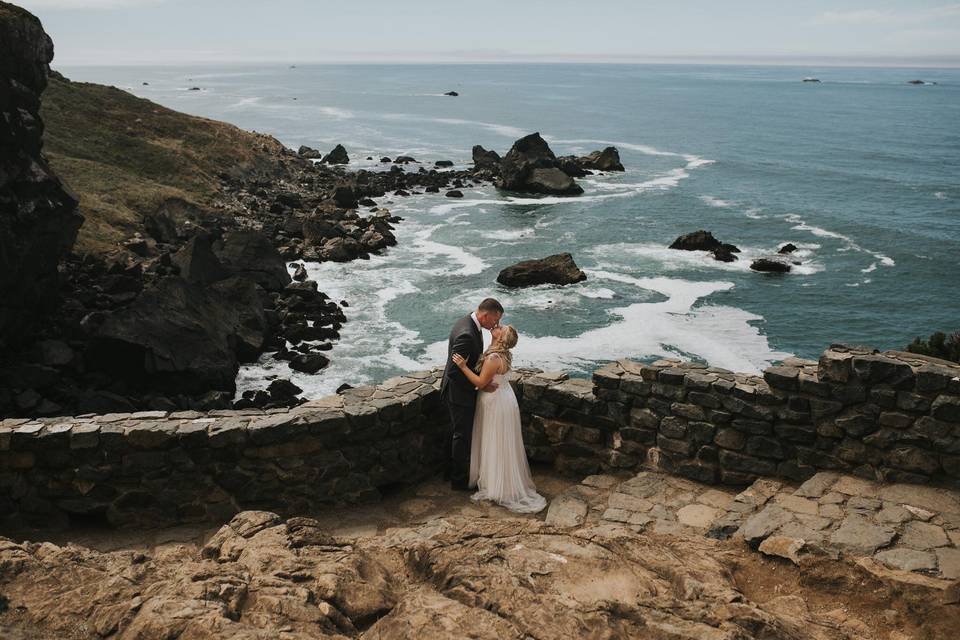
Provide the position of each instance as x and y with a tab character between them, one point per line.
490	367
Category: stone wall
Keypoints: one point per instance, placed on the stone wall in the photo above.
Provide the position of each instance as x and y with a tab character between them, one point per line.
891	417
152	467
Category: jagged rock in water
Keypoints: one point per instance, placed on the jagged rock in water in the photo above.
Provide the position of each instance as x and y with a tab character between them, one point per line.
770	266
252	255
38	216
697	241
723	253
486	159
443	163
787	248
309	153
531	166
556	269
605	160
337	156
454	193
452	94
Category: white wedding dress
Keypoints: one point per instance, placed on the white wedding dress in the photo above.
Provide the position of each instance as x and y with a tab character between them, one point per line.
498	461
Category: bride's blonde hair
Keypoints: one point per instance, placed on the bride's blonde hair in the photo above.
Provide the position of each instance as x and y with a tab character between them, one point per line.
507	341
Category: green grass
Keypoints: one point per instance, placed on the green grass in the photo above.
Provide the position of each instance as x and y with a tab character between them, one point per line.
123	156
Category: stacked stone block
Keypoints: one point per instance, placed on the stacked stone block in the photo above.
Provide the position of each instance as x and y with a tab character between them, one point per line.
890	417
153	467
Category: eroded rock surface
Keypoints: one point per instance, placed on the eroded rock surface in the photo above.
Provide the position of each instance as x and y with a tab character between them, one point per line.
263	577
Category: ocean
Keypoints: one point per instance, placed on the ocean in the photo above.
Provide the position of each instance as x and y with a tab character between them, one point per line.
861	171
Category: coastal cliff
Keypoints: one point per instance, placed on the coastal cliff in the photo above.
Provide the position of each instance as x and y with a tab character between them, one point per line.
38	215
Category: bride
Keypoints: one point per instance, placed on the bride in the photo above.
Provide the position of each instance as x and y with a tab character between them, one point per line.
498	461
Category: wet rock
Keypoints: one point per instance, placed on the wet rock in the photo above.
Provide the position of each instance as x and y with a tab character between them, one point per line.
486	159
606	160
787	248
309	362
697	241
555	269
531	166
338	155
443	163
451	93
769	265
454	193
404	160
300	273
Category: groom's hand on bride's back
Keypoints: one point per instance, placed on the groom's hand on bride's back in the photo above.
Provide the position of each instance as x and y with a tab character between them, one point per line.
490	388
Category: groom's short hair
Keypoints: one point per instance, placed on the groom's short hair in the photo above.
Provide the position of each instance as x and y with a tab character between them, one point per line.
490	305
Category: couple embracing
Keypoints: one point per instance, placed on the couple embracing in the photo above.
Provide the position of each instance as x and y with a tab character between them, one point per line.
486	445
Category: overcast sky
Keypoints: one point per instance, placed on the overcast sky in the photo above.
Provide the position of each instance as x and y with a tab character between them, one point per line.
190	31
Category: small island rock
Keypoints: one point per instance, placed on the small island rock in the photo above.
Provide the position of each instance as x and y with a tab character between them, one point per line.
555	269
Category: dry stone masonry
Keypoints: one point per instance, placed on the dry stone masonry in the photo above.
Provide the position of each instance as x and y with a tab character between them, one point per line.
889	417
886	417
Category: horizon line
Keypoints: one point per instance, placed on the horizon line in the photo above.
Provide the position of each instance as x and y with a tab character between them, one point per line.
917	62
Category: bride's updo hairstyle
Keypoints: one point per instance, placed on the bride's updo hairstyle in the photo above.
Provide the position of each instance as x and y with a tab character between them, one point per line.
508	340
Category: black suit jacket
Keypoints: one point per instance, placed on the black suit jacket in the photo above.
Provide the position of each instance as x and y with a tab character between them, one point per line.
466	340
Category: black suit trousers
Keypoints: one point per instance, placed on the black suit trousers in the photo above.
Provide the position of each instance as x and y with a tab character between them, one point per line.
460	440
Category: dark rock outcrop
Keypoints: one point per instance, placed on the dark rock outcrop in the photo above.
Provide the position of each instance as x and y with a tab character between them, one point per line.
454	193
452	94
531	167
309	153
704	241
484	159
178	336
443	163
555	269
38	218
252	255
697	241
197	261
787	248
770	266
605	160
337	156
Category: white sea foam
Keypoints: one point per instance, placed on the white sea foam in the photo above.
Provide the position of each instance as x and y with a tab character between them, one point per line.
872	267
754	213
940	195
723	336
508	234
673	260
469	263
602	293
799	224
716	202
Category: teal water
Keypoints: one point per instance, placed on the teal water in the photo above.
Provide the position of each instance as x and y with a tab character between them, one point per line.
862	171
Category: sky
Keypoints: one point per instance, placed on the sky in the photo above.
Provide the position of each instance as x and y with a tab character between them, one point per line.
887	32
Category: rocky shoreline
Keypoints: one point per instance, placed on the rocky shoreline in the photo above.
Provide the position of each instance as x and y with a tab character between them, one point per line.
195	280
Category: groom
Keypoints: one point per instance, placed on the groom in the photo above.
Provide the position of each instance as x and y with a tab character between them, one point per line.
458	393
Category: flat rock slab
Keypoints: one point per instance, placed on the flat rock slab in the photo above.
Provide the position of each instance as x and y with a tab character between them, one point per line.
566	511
861	536
923	535
948	560
698	516
907	559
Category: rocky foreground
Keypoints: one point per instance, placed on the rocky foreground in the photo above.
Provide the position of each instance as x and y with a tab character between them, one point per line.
628	557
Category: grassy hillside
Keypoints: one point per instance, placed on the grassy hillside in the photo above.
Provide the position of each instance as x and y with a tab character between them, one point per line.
124	156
